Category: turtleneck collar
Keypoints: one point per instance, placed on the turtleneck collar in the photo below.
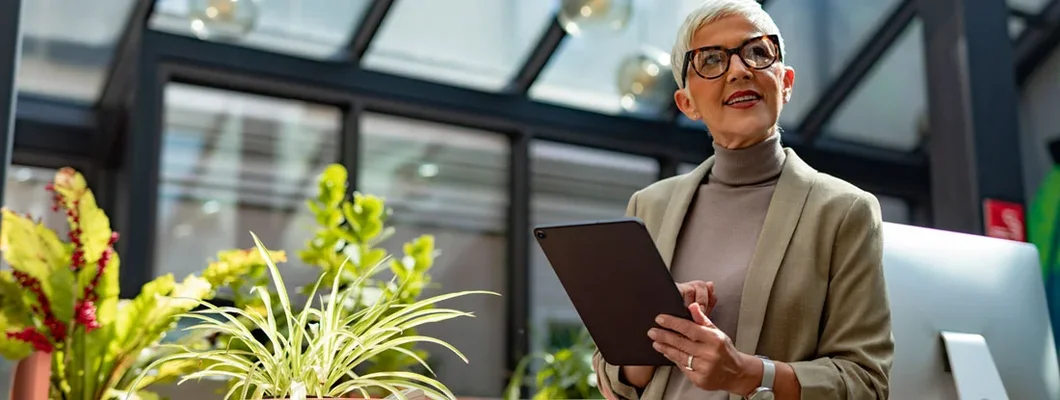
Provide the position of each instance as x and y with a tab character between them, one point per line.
752	165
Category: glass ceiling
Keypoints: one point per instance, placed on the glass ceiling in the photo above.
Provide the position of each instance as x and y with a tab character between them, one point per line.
474	43
821	36
68	48
317	29
889	107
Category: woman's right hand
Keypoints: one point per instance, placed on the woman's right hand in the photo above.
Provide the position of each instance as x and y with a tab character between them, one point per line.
692	292
699	292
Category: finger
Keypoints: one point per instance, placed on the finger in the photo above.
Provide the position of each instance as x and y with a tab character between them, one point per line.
686	293
703	293
673	339
678	357
712	299
699	316
689	329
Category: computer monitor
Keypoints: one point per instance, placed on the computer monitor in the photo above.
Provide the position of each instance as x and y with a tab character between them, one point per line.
940	281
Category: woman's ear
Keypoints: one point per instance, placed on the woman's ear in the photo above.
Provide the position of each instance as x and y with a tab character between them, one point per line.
684	103
789	82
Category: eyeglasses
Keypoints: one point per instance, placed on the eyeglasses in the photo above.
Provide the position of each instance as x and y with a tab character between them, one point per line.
712	62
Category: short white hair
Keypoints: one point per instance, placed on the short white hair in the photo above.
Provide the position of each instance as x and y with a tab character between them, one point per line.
713	10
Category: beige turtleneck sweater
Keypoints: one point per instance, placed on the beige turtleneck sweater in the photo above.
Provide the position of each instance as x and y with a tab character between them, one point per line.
719	235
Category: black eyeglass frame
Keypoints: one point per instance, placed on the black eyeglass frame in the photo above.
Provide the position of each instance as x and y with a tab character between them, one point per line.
738	50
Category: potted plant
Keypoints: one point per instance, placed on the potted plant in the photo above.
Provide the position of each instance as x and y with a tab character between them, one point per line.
346	245
320	348
566	373
59	304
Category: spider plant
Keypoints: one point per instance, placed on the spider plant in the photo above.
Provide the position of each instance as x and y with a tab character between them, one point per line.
317	351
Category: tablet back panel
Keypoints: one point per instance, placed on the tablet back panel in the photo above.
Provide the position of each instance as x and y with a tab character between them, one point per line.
618	283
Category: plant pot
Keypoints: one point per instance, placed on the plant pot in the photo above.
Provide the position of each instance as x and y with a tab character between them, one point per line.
31	377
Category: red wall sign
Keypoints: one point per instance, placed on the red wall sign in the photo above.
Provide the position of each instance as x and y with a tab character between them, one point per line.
1004	220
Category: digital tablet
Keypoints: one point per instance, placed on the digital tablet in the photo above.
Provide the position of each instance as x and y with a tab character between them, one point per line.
618	283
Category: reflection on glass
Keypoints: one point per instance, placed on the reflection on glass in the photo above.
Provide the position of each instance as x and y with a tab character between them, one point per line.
451	183
67	46
573	184
882	112
318	29
232	163
820	36
24	193
473	43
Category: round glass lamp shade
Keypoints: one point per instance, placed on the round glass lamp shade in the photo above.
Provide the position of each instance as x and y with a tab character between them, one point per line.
645	81
222	19
581	17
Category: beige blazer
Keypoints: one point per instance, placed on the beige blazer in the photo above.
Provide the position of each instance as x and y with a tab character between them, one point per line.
814	295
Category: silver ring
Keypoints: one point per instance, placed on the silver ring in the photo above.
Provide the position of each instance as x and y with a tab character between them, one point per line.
689	366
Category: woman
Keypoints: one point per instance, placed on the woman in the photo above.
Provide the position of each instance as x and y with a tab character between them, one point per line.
794	256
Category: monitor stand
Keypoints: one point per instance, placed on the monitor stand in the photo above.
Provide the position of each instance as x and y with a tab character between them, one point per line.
973	368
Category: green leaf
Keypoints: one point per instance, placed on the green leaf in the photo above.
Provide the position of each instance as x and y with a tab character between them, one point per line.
108	291
12	304
60	290
134	313
23	247
95	228
12	349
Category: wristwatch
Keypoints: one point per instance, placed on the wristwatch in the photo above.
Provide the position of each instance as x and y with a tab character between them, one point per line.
765	390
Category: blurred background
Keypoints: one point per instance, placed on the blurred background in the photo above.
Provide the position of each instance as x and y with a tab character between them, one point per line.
196	121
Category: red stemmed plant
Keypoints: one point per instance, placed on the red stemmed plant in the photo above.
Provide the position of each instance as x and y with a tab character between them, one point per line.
61	298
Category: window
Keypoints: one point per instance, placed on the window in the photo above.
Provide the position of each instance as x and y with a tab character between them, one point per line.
573	184
881	113
232	163
451	183
820	37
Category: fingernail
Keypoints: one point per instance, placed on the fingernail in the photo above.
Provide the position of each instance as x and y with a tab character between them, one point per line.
656	346
659	319
652	333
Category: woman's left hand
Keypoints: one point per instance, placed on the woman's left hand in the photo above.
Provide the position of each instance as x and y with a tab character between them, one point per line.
716	364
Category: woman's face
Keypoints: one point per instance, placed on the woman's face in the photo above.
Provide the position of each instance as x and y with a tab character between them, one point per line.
740	107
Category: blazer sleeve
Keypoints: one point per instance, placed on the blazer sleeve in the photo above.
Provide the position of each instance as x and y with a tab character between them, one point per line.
856	345
608	375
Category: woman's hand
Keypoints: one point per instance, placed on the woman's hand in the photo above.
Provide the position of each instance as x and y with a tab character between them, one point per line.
699	292
716	364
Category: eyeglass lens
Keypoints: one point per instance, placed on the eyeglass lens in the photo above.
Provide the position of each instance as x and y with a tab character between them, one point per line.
756	54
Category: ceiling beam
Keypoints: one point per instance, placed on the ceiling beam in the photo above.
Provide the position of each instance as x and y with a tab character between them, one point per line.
120	82
367	29
1036	43
860	65
538	58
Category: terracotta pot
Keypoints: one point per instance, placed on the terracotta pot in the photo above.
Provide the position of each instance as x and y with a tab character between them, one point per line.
31	377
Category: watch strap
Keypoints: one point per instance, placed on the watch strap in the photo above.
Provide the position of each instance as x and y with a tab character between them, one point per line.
769	371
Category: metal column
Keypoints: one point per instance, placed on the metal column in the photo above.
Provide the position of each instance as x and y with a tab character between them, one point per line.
10	51
972	103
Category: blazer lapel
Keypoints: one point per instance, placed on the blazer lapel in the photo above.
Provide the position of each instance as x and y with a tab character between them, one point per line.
782	217
677	208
